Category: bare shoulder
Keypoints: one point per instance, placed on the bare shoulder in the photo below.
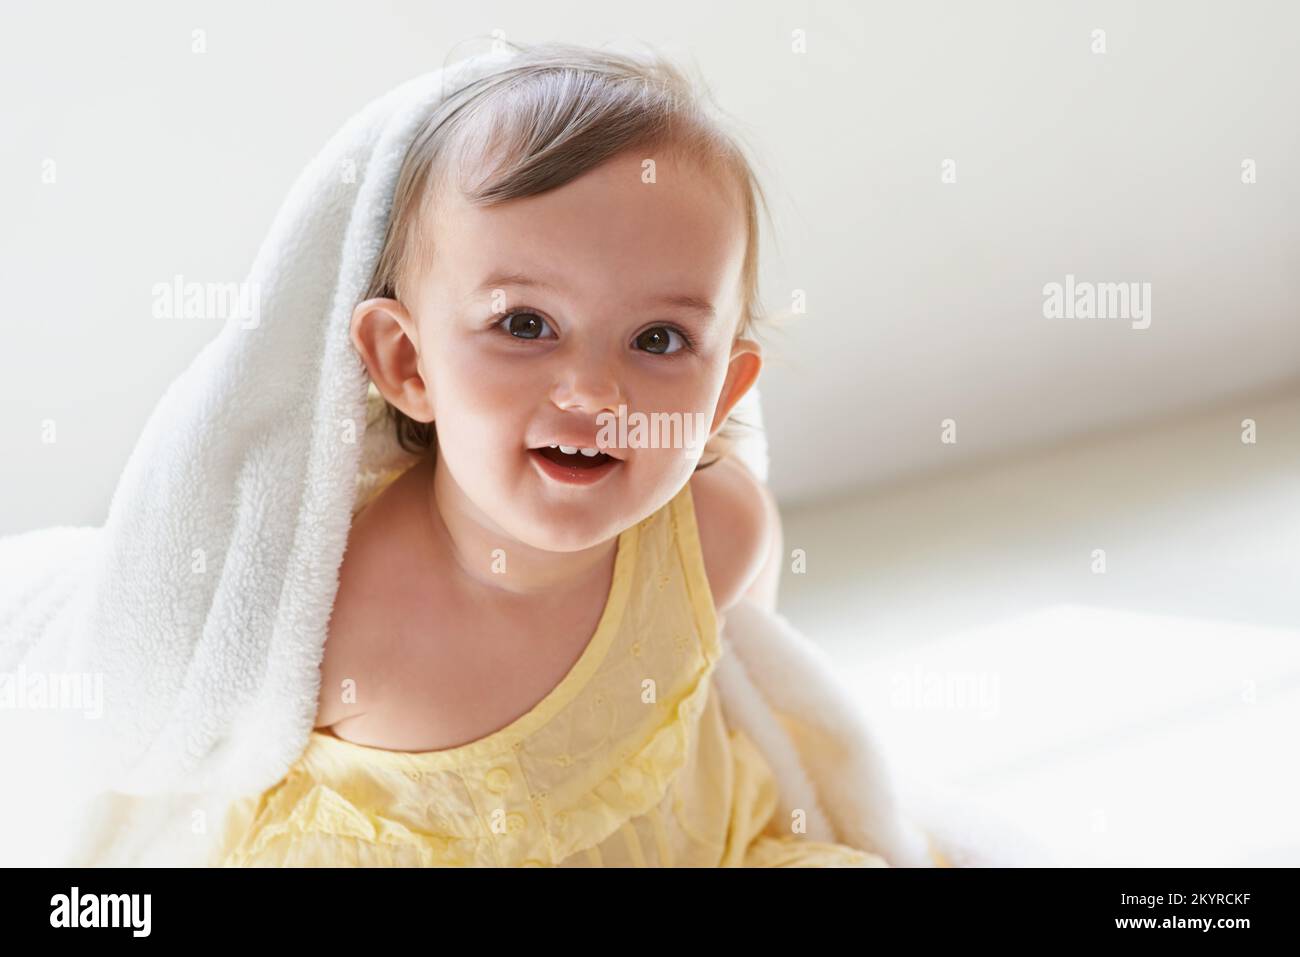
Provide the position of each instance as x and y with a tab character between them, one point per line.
344	665
733	511
366	618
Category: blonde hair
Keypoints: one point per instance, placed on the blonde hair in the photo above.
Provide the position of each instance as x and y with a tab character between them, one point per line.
549	114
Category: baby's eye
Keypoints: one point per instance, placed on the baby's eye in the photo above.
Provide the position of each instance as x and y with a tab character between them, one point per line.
525	325
657	340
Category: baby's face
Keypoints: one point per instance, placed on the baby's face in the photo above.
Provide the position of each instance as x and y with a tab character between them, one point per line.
539	314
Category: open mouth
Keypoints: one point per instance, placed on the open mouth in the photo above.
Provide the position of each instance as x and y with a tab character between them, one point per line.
573	467
573	460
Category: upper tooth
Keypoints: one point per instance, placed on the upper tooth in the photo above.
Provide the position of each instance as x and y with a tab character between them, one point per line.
568	449
589	452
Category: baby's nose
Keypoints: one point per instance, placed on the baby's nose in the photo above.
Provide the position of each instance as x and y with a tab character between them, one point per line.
588	390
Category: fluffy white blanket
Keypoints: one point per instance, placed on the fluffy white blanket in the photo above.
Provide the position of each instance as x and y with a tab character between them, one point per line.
194	620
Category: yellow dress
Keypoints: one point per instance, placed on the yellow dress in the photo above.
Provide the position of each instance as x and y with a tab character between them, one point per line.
627	762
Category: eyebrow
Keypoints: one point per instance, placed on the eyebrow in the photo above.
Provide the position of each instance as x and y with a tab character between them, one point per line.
676	300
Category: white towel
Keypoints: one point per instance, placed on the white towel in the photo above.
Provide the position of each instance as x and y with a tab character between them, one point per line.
202	602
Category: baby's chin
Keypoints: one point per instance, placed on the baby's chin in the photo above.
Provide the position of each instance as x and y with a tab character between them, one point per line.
574	525
570	525
554	534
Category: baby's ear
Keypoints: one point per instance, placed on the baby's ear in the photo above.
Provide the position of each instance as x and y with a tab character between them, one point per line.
384	335
742	372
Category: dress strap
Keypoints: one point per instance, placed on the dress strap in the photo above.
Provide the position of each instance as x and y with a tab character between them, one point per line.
686	536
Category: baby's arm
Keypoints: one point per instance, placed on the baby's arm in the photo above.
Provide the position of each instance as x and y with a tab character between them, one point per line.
740	534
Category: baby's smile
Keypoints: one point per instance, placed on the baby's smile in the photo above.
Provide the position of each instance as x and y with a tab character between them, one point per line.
633	295
573	466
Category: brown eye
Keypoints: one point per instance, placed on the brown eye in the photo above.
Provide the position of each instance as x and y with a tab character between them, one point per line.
658	339
525	325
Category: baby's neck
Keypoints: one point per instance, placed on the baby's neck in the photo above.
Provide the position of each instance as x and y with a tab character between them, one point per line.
491	557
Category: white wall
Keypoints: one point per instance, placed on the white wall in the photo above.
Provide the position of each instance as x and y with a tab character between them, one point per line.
1193	523
1147	715
923	297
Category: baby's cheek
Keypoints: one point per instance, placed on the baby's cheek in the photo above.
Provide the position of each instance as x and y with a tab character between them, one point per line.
475	388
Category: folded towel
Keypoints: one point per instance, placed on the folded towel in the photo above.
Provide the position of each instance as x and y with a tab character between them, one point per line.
202	602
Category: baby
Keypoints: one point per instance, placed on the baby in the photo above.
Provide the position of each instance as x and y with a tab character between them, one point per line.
517	669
